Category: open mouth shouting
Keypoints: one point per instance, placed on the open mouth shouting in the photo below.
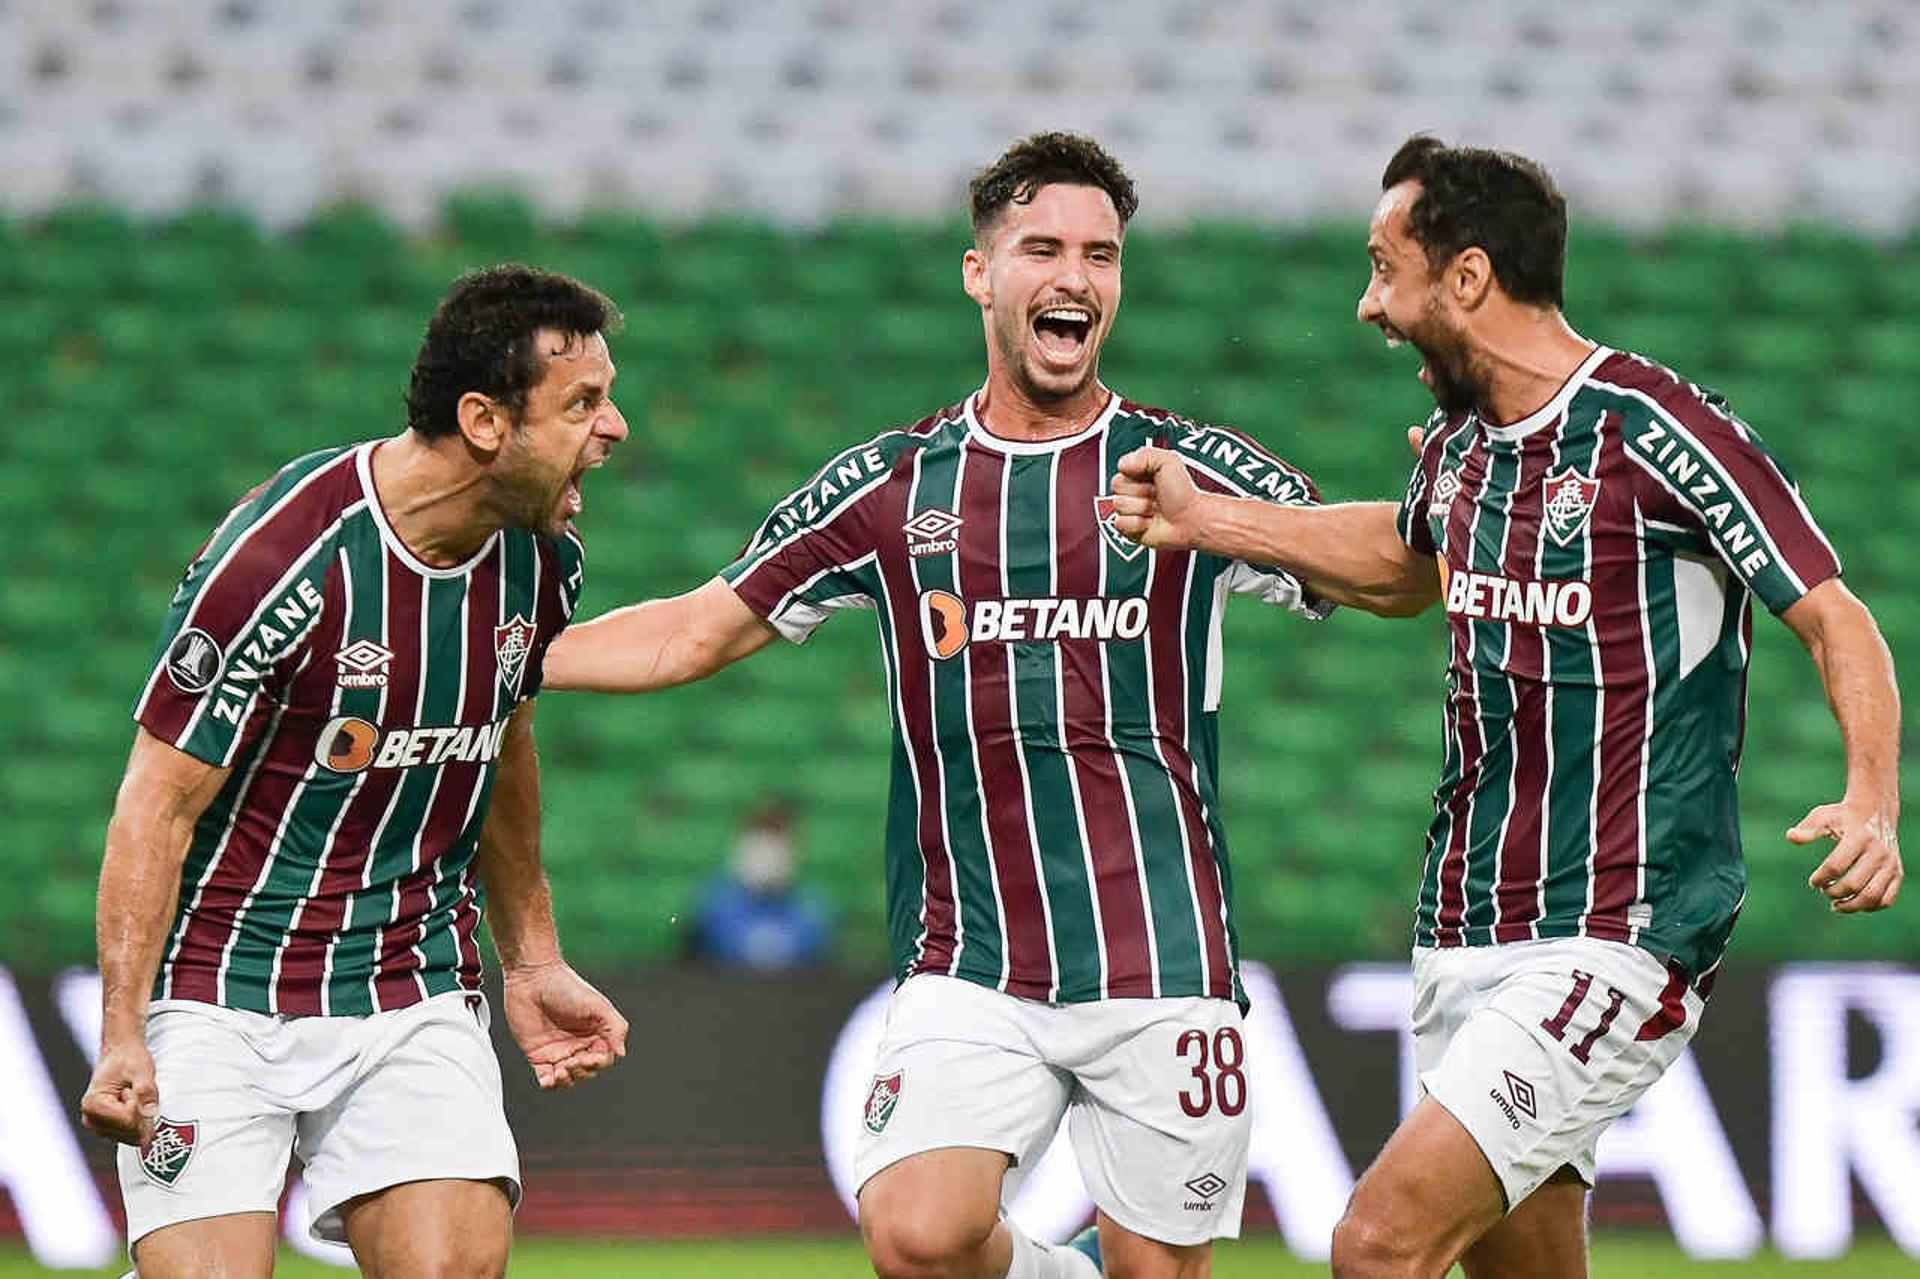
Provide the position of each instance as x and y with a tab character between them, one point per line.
1062	334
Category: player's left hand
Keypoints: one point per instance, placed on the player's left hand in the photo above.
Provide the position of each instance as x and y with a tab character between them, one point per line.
1154	499
568	1030
1863	872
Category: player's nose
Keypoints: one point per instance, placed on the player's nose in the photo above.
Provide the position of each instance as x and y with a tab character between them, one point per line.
613	423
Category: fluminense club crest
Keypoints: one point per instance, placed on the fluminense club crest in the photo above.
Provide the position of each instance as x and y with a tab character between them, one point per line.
1569	505
882	1099
1105	513
512	641
164	1156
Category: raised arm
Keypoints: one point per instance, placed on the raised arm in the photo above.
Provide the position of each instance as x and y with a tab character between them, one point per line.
568	1030
161	798
657	644
1863	872
1349	553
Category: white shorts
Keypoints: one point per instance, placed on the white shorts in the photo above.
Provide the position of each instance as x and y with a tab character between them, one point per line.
1537	1046
365	1102
1159	1116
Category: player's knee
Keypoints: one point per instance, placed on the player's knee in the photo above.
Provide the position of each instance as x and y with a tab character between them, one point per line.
916	1241
476	1256
1366	1246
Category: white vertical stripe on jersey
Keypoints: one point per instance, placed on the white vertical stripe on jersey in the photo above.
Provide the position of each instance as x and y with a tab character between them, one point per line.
973	758
1020	740
1646	732
1513	694
1155	567
1109	464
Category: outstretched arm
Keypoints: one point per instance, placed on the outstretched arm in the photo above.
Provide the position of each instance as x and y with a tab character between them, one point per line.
1350	553
657	644
568	1030
1863	872
161	798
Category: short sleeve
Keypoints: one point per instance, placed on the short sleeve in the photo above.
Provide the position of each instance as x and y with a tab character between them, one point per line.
814	552
1411	519
1229	461
1708	471
565	561
233	635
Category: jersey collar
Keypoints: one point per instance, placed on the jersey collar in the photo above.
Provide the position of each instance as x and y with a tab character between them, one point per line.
979	432
363	462
1553	409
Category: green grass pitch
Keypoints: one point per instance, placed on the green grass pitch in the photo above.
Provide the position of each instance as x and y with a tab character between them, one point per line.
1614	1257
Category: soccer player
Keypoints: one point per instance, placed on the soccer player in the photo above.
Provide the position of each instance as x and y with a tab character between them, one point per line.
1057	876
334	768
1598	527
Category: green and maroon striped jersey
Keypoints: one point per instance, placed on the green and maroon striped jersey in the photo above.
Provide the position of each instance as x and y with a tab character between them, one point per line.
1053	824
360	698
1598	560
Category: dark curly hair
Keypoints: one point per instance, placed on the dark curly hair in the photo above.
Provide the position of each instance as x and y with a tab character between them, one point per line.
481	339
1042	160
1502	202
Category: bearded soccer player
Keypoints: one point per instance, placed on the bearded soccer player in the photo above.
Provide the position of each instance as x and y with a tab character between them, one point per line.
1598	527
1057	878
334	769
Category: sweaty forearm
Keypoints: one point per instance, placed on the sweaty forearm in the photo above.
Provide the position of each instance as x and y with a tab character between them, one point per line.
1857	670
657	644
139	891
519	902
1349	553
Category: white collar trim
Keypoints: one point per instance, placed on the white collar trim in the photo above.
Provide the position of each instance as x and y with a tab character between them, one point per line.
363	461
1552	410
978	430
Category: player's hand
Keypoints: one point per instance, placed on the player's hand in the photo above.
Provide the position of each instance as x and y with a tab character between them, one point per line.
122	1100
1416	438
1863	872
568	1030
1155	502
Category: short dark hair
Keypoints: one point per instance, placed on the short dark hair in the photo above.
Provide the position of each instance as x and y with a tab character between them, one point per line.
1043	160
481	339
1504	203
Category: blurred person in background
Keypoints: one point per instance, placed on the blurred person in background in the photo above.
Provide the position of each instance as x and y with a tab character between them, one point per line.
1598	528
755	913
334	767
1059	896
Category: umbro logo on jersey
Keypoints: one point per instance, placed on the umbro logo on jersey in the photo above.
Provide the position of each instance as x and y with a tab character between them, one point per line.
932	532
1569	505
363	664
1446	487
1104	514
1487	597
349	744
948	624
512	641
193	659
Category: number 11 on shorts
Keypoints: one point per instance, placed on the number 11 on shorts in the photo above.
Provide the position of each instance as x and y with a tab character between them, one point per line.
1556	1025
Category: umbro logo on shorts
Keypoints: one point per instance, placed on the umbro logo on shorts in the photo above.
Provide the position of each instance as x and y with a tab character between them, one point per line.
1522	1103
1205	1188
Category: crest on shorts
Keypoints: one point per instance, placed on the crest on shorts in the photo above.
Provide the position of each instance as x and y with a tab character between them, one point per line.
164	1156
1569	504
884	1096
512	641
1106	515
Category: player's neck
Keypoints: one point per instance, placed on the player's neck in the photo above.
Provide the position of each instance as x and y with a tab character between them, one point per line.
1011	415
434	501
1525	359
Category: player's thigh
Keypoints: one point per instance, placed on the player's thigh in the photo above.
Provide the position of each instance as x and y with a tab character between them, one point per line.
426	1107
1545	1237
957	1068
1161	1115
424	1229
236	1245
1565	1037
1126	1255
222	1138
1428	1195
937	1203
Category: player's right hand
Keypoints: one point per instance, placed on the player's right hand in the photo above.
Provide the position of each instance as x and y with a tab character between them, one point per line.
1154	500
122	1100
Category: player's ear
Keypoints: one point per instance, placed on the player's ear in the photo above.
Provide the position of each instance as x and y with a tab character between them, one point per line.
973	276
484	421
1469	277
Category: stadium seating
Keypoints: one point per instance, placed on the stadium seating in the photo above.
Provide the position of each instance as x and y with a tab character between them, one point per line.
164	369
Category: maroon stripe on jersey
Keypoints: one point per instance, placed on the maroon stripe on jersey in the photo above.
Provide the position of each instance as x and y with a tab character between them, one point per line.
238	585
1078	479
1619	619
1167	586
453	795
939	914
318	925
1801	544
1003	786
844	538
1464	715
1517	893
